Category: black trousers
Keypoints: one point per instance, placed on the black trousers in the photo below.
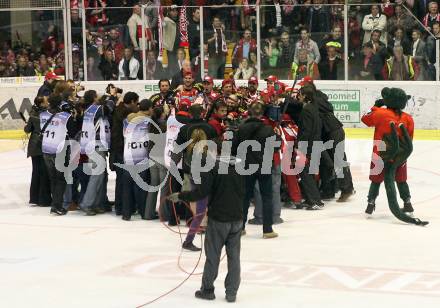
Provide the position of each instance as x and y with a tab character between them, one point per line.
133	197
309	187
57	181
219	234
118	158
40	185
265	184
345	183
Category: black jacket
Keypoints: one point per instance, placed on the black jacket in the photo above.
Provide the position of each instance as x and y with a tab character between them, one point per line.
253	129
225	192
309	126
117	135
109	70
33	127
329	121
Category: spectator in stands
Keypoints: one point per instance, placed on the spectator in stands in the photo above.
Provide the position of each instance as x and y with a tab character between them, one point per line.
419	7
76	26
154	67
152	17
420	54
177	79
400	67
335	37
307	43
272	19
60	69
177	65
399	39
430	43
129	66
287	51
271	55
400	19
217	49
253	60
331	67
387	8
119	11
171	36
96	13
337	14
108	66
354	34
318	18
243	48
374	21
133	23
92	69
371	65
23	69
432	16
305	66
378	46
244	71
194	33
116	44
42	67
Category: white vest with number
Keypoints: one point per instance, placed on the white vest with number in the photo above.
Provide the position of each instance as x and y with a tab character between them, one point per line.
136	140
173	129
88	140
54	135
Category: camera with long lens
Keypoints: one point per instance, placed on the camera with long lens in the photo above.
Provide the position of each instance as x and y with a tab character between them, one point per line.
67	108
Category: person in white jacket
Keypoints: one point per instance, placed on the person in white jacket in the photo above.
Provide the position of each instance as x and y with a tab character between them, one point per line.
133	22
244	71
374	21
128	66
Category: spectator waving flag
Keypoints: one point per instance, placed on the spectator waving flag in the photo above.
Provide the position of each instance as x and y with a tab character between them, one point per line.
160	30
183	26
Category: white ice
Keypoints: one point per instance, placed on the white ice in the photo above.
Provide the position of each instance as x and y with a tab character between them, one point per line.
329	258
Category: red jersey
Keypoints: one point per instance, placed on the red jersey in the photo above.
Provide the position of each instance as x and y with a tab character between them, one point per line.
380	119
276	154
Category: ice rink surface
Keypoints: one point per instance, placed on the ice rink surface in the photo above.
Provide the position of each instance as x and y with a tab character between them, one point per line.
332	258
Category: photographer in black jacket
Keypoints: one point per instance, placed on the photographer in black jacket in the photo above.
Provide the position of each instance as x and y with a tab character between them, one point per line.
40	184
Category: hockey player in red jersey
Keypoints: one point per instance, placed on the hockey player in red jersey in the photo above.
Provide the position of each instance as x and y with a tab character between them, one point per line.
385	111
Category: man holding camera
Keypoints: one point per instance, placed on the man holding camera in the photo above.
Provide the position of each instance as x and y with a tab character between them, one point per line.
128	105
95	139
57	127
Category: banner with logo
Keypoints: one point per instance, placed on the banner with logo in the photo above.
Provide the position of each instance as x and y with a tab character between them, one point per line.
350	100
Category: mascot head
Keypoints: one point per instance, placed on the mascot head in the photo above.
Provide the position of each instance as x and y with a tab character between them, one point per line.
395	98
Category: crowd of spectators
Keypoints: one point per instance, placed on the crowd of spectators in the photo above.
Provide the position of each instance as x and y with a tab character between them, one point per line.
298	38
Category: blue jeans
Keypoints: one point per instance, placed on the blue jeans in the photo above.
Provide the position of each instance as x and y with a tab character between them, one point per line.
96	192
80	181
